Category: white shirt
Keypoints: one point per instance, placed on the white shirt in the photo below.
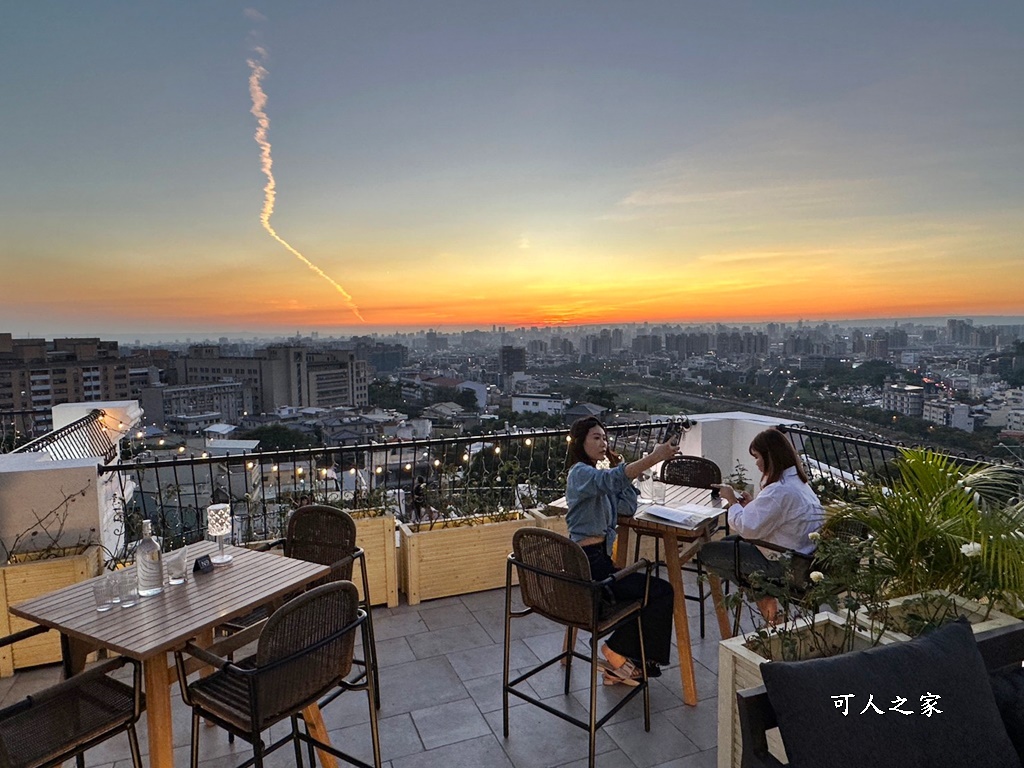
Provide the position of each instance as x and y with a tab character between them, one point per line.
783	513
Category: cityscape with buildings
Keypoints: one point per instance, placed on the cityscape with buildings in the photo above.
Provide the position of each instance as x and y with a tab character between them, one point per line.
530	373
917	381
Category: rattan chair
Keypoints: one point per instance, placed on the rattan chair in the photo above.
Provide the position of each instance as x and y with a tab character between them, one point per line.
554	581
327	535
695	472
318	533
736	559
304	650
65	720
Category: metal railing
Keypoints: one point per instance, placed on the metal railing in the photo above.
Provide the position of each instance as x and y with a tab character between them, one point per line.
846	461
494	474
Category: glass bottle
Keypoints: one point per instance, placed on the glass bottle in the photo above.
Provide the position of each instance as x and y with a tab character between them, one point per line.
148	563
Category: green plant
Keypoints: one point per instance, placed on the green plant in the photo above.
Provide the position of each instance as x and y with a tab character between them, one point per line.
738	478
944	525
844	581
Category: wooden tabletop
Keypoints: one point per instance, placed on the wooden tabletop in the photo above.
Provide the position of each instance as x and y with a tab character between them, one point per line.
166	621
675	496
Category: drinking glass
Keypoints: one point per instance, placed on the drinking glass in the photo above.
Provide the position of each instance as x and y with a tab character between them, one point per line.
129	590
175	563
103	594
114	579
659	492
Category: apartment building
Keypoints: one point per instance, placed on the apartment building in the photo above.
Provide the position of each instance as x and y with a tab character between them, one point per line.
168	406
949	413
907	399
537	403
283	375
36	375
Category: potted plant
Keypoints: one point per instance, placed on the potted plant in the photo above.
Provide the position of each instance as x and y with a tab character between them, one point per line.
461	544
40	559
846	583
945	525
375	533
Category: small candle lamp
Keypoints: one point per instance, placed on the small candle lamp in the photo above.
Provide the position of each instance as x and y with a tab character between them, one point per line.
218	524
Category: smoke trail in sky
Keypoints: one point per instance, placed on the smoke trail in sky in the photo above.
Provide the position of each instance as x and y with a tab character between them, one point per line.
259	101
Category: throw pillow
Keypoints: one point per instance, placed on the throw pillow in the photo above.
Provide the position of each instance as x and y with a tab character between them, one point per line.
924	703
1008	688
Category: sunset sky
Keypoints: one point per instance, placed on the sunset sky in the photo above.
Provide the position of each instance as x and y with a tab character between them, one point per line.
457	164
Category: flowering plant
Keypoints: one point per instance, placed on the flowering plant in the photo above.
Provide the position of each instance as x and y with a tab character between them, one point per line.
946	525
841	578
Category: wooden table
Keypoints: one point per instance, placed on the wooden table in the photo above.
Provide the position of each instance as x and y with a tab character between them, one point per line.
680	546
162	623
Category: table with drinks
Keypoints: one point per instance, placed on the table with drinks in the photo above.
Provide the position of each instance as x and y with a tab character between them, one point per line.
115	612
680	543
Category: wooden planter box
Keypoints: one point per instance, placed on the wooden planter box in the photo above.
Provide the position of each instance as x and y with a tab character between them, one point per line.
376	535
978	615
551	518
33	578
466	557
740	668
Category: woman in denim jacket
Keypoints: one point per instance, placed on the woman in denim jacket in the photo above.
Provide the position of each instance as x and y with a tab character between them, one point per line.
598	489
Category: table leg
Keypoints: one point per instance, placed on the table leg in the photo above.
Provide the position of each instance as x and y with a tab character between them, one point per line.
73	653
724	626
675	577
318	730
158	711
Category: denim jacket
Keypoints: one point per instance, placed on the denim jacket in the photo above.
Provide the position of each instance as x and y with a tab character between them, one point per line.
595	498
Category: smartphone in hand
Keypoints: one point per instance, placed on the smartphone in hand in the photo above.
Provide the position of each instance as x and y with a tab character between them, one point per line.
673	432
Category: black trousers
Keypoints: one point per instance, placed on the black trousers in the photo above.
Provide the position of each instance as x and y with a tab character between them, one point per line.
656	617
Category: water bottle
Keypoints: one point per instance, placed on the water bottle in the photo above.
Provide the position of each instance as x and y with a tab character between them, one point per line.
645	485
149	566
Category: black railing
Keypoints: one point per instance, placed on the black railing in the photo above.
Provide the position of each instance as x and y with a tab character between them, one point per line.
491	474
844	461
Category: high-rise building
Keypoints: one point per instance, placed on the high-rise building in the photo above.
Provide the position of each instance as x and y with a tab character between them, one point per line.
511	360
284	375
36	375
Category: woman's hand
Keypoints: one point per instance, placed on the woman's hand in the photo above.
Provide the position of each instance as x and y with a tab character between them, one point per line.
730	494
664	451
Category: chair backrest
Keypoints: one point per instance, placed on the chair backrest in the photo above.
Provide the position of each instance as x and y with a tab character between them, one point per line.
321	534
305	648
556	581
694	471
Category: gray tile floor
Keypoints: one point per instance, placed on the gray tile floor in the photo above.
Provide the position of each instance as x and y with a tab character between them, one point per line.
440	682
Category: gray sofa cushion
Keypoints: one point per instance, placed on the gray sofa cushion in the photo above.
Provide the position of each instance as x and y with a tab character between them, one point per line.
1008	688
810	697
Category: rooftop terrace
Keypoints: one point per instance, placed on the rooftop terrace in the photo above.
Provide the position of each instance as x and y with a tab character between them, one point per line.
440	684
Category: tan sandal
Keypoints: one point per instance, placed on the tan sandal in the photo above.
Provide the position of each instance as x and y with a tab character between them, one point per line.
627	674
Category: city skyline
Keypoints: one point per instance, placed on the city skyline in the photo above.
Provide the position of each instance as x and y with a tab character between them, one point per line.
455	165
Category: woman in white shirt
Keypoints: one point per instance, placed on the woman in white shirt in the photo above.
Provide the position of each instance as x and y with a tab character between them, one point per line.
785	512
